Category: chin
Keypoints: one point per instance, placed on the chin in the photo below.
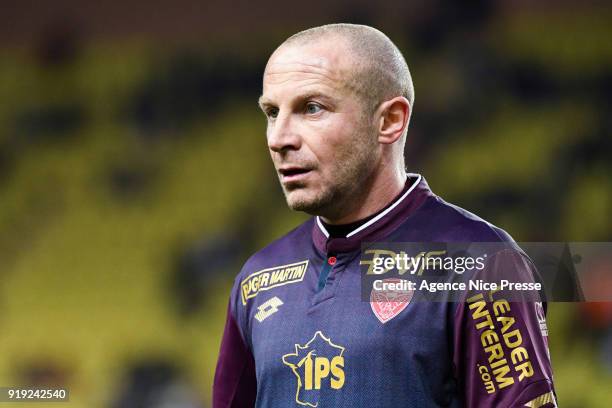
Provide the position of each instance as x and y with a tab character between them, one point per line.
299	200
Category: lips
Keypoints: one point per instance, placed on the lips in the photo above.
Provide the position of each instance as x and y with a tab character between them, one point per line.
293	173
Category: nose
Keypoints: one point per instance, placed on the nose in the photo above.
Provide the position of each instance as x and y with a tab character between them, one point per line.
282	134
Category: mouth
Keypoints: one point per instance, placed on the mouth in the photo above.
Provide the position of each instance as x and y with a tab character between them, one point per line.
292	174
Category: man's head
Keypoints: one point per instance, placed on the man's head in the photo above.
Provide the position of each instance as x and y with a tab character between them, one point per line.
338	99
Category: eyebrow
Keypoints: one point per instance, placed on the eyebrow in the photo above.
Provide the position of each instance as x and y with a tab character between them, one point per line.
265	102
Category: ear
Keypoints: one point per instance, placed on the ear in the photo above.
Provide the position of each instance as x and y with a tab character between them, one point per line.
394	115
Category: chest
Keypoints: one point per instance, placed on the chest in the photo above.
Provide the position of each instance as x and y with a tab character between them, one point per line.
331	339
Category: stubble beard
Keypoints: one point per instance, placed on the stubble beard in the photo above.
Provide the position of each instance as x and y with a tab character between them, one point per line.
336	198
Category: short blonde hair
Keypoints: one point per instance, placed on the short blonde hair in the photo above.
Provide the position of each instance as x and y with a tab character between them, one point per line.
381	71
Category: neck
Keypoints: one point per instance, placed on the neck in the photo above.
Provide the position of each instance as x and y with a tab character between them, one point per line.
374	195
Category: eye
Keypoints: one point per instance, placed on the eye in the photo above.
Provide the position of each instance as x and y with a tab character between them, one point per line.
313	108
271	113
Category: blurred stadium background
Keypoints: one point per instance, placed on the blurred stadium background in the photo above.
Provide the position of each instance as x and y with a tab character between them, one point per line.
134	176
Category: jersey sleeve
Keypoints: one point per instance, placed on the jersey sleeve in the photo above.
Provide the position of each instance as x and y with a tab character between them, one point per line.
501	356
235	384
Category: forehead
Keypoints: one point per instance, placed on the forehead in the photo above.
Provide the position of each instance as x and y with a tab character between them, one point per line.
323	67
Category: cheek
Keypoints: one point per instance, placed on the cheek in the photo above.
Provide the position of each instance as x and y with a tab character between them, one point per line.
329	139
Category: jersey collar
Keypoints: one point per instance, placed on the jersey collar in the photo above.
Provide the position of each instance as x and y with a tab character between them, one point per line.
378	227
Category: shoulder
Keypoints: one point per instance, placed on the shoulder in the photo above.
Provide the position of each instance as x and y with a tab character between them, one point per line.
289	251
283	250
439	220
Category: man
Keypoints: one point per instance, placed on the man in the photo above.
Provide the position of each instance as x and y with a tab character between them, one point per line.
338	100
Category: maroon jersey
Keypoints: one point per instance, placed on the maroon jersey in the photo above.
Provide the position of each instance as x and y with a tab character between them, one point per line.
300	334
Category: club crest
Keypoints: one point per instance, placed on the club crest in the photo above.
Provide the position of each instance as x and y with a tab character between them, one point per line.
388	303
